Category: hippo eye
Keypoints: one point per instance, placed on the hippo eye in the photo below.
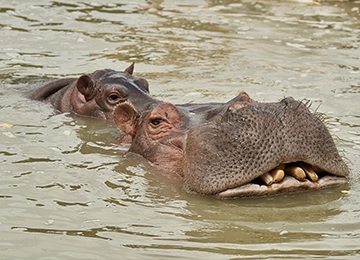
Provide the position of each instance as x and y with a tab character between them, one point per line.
156	121
114	98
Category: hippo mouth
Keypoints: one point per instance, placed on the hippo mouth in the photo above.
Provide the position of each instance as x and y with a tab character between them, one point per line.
285	178
261	149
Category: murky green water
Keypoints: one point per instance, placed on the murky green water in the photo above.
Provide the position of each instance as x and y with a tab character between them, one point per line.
67	191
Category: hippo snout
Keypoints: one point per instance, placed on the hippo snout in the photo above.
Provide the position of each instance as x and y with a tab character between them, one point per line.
252	144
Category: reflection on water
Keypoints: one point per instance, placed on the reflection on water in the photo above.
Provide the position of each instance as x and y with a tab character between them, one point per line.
69	191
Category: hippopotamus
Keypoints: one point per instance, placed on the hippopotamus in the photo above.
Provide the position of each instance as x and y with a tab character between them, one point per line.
242	148
96	94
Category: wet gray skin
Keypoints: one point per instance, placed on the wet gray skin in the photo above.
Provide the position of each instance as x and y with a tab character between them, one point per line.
96	94
225	150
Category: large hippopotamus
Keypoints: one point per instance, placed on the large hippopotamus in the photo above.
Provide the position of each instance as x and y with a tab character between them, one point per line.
238	149
96	94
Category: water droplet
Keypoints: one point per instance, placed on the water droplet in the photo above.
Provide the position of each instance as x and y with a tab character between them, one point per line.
67	132
283	232
49	222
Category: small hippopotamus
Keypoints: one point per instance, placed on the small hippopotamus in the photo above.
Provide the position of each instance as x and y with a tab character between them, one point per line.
96	94
238	149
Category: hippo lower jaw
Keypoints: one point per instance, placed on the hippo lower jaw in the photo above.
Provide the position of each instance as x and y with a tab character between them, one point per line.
279	181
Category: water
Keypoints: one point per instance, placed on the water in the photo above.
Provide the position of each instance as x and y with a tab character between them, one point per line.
67	189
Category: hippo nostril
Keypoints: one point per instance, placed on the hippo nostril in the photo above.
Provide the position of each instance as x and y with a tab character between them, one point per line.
237	105
291	102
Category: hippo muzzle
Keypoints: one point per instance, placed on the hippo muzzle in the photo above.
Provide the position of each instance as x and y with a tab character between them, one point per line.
241	150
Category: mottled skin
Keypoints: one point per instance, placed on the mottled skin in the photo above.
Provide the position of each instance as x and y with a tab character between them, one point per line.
96	94
221	149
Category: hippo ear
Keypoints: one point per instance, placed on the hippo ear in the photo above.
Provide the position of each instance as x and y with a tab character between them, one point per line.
126	118
86	86
129	70
143	83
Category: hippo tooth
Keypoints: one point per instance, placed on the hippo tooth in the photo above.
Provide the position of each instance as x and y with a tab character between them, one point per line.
310	173
296	172
267	178
277	175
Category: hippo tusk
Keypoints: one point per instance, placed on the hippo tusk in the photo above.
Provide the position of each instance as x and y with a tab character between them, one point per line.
277	175
310	173
267	178
299	171
296	172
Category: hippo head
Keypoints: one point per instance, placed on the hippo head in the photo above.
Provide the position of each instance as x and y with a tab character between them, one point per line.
97	94
238	149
